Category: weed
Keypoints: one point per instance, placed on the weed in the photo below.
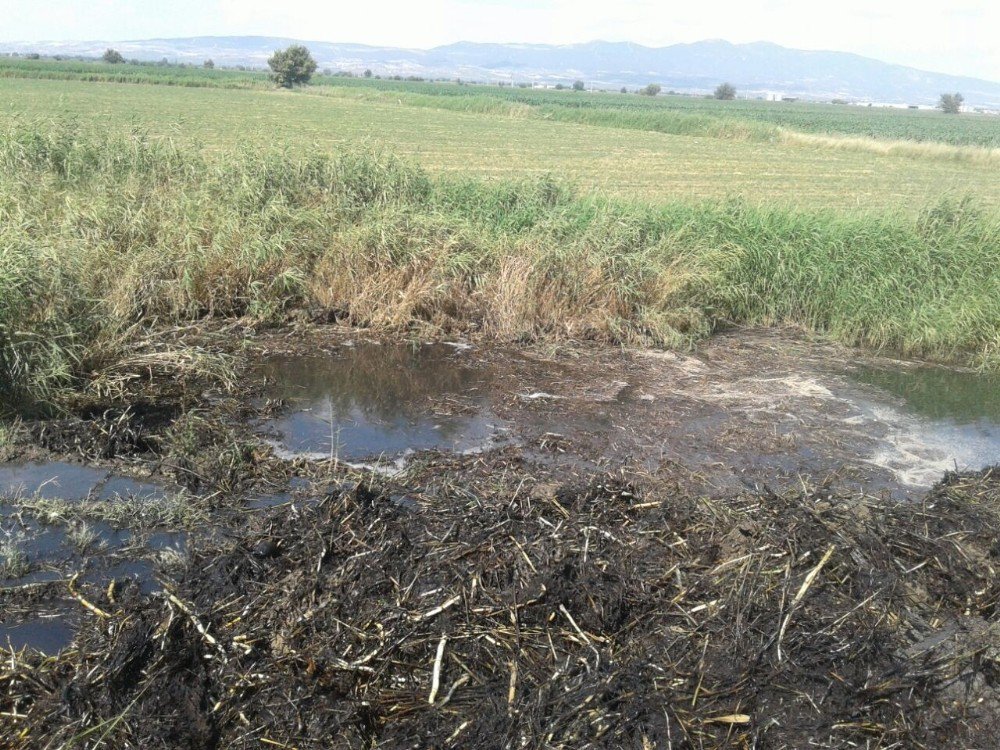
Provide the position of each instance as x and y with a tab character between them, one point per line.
14	562
174	511
82	537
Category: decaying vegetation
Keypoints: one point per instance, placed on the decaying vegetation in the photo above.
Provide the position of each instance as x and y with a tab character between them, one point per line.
104	242
481	604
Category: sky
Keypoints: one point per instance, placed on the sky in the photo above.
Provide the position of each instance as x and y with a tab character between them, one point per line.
948	36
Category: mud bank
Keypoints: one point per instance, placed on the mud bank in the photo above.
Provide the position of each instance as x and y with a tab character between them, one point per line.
368	545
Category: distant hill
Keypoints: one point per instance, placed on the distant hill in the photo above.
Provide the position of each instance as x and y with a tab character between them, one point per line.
756	68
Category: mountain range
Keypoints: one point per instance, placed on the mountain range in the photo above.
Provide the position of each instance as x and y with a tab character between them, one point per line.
755	69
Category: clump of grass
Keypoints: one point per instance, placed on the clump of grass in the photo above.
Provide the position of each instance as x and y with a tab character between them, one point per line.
908	148
82	536
100	250
14	562
8	435
171	559
175	511
203	454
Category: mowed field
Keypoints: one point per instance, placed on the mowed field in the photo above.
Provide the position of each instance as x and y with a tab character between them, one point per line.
628	163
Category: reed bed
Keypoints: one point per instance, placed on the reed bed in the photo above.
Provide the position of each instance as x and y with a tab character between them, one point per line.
106	239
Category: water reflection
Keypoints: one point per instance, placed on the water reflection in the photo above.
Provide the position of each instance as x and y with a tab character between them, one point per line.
950	420
375	400
939	393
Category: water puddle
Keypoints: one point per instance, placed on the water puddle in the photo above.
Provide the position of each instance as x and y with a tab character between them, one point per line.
46	634
370	401
936	419
41	546
940	394
51	480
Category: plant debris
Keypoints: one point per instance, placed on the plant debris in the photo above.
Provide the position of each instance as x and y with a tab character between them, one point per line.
503	609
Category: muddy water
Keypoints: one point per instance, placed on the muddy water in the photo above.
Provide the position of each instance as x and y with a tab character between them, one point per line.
371	400
49	553
936	419
748	409
939	394
48	634
56	479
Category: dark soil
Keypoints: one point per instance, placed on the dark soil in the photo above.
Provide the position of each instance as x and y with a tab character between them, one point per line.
529	596
610	610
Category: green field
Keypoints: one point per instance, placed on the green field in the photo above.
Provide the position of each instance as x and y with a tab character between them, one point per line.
664	113
621	162
807	117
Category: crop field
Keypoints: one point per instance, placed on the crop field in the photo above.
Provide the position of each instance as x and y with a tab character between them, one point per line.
664	113
621	162
809	117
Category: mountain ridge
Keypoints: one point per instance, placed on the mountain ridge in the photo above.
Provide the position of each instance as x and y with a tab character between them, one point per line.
755	68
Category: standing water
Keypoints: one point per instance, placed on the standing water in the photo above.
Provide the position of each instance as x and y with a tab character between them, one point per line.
371	400
950	418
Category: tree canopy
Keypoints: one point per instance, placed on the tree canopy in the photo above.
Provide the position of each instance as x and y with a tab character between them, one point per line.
951	104
725	91
112	56
293	66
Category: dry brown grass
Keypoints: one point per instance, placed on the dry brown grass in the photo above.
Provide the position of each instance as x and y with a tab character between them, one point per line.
977	155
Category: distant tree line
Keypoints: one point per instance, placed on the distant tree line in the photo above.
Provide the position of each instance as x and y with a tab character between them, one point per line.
295	66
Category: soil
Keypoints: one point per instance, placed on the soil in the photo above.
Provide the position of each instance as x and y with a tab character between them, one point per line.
627	565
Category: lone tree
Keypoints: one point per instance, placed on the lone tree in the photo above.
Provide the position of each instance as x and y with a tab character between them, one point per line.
292	67
578	85
725	91
113	56
951	104
368	72
651	89
209	64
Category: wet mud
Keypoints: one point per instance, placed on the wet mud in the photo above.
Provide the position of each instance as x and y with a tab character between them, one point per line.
770	542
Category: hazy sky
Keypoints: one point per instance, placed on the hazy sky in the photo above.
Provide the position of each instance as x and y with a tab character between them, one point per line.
959	36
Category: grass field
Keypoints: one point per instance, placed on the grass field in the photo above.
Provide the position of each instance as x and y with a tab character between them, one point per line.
807	117
621	162
678	114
